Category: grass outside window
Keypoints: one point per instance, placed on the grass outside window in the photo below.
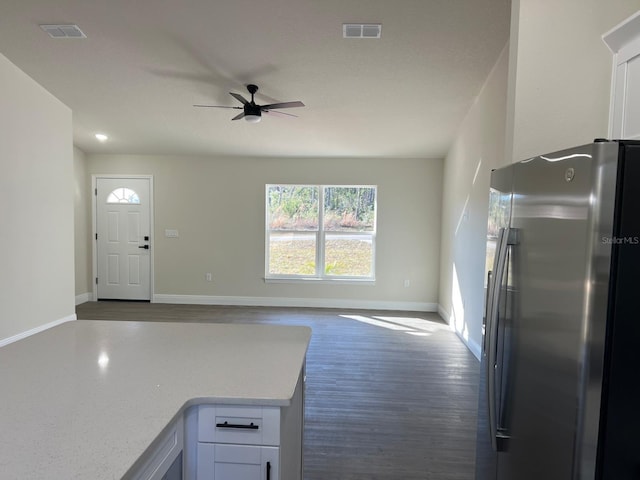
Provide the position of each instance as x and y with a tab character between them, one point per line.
320	232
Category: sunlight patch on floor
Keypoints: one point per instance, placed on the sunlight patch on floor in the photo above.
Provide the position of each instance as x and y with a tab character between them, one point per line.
418	327
372	321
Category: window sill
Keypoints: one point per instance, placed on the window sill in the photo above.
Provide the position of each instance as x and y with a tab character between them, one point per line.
322	281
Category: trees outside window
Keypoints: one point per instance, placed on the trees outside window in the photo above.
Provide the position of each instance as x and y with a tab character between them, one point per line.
321	231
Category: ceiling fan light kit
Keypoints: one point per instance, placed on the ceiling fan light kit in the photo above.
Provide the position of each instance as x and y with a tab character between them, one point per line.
251	111
253	118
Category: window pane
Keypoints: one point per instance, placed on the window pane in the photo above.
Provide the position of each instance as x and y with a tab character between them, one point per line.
292	207
292	253
350	255
350	209
123	195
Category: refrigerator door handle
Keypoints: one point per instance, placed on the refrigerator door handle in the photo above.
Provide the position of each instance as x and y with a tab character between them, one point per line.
505	238
487	309
490	333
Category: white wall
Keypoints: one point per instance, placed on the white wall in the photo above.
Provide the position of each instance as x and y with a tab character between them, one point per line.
550	90
477	149
217	205
561	73
82	222
36	205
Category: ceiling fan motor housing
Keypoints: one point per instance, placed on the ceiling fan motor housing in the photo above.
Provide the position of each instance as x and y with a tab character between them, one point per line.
250	109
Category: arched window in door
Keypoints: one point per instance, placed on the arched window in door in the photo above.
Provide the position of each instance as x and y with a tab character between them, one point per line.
123	195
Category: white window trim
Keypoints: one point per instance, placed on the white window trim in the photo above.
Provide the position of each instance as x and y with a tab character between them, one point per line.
320	277
320	281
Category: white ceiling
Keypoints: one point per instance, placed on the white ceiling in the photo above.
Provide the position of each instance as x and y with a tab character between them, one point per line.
144	64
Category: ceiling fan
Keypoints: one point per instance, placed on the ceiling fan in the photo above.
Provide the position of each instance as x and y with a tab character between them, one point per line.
251	111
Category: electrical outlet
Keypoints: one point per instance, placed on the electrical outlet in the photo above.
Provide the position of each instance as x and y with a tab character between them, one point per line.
208	277
407	283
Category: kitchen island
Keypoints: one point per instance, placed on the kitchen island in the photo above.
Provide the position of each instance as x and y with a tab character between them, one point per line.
91	399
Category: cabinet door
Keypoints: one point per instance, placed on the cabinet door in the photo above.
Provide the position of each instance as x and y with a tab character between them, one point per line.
162	457
237	462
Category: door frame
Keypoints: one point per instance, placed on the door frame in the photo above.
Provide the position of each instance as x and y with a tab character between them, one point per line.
94	229
623	41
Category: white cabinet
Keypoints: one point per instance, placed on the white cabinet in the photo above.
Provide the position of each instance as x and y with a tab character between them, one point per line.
238	443
159	461
237	462
239	424
247	442
175	470
229	442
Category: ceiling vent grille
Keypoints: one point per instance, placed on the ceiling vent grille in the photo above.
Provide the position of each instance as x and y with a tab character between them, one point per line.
63	31
361	30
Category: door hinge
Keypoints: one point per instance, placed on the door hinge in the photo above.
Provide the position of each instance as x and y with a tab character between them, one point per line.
96	236
95	192
96	280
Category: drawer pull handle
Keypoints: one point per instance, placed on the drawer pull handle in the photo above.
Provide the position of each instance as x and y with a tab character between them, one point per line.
251	426
268	470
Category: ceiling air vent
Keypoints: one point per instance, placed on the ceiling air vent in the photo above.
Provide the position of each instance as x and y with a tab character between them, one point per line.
63	31
361	30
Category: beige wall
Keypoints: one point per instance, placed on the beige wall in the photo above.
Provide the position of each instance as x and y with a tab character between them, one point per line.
477	149
561	73
550	91
217	205
36	202
82	227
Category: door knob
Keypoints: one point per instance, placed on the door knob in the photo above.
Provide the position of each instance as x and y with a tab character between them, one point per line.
146	247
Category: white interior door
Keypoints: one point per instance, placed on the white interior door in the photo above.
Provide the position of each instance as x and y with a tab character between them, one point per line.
123	213
624	42
626	99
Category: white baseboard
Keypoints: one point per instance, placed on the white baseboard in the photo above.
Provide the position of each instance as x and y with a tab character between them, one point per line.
296	302
33	331
84	298
446	316
470	344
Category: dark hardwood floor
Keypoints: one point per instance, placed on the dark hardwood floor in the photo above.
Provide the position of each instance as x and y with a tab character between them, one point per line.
390	395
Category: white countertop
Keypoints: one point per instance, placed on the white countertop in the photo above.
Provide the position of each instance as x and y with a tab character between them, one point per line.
85	399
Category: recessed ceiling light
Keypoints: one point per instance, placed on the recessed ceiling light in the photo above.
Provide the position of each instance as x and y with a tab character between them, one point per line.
101	137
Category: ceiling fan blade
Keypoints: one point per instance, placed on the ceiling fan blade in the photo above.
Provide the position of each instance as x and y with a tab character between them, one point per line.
217	106
239	97
238	117
282	105
271	112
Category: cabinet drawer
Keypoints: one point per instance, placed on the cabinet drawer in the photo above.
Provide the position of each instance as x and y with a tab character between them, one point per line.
237	462
246	425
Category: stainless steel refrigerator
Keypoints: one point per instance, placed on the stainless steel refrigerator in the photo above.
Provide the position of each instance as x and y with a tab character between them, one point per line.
560	388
